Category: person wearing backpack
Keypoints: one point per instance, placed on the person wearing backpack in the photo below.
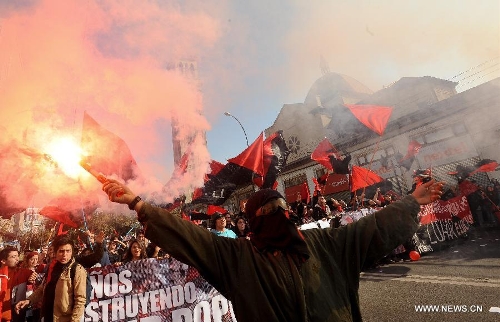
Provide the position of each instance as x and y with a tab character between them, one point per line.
63	296
88	284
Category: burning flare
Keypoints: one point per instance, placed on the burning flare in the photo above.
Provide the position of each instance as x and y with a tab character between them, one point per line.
99	176
67	154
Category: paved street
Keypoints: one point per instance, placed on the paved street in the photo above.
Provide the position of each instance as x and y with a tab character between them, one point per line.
458	282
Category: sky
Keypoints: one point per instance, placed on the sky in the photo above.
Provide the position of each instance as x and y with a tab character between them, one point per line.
110	57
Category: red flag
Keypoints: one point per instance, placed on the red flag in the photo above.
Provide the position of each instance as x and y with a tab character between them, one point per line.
407	160
275	154
258	181
252	157
58	214
178	202
239	171
487	167
215	168
61	230
179	171
70	210
184	162
323	152
197	193
466	187
362	177
323	179
211	209
185	217
305	194
107	152
372	116
317	187
413	149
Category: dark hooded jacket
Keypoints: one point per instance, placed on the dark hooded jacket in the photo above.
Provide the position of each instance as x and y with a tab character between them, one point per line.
323	288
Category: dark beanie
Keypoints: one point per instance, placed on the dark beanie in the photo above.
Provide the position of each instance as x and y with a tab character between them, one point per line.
217	215
259	199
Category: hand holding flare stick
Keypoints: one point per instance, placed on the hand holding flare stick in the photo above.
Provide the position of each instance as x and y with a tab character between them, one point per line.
119	193
99	176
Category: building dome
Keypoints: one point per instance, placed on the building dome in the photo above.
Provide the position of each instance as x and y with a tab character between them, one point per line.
333	88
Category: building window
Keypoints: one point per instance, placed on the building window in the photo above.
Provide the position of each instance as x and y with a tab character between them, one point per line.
444	133
438	135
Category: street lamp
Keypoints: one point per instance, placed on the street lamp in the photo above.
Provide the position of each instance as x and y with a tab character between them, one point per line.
244	132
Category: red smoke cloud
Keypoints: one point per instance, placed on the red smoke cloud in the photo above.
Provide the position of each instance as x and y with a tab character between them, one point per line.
114	59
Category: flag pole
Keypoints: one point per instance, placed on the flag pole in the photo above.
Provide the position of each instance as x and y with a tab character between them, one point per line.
52	232
86	227
370	164
130	230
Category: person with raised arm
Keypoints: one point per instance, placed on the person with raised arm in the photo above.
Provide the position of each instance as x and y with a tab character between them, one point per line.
289	275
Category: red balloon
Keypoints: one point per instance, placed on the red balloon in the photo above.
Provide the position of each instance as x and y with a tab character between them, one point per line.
414	255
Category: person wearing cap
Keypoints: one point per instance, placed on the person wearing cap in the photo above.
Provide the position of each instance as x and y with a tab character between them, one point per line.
219	226
420	176
289	276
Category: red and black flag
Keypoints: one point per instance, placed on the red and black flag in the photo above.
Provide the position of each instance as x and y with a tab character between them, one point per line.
323	152
239	171
252	158
275	154
340	165
328	156
485	165
176	204
196	215
412	151
214	167
319	183
106	152
211	209
462	172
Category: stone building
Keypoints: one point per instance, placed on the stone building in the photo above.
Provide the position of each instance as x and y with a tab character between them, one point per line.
452	128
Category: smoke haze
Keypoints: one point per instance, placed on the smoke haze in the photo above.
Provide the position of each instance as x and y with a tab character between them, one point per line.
113	59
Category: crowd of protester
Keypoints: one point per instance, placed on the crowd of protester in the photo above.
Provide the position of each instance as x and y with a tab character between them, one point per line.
25	274
31	268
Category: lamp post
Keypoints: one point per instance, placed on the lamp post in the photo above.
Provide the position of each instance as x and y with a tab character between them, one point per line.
244	132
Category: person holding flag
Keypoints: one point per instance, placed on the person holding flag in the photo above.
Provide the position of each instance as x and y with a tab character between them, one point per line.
289	275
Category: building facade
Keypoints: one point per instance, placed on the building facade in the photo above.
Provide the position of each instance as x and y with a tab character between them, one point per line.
452	129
